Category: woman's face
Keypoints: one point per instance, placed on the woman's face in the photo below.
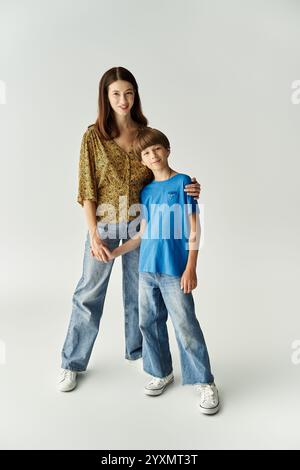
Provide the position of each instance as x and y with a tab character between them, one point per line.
121	97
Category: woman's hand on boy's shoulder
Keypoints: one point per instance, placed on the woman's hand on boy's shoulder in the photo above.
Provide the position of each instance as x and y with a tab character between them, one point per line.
193	188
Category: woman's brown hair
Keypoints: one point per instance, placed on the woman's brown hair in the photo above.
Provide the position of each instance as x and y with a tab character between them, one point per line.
105	124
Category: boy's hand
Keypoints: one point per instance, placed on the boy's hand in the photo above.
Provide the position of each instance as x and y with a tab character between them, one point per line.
188	280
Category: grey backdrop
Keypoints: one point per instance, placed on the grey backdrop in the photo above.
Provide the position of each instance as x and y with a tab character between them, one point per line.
216	76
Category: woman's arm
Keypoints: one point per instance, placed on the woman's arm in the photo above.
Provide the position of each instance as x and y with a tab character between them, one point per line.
87	197
193	189
98	248
90	215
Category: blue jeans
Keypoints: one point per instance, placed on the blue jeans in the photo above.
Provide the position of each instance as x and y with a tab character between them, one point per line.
88	302
160	294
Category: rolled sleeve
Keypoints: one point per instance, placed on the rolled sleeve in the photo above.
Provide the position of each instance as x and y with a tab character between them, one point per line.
87	188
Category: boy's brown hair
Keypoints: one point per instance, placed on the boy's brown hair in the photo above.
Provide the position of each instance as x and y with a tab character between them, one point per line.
148	136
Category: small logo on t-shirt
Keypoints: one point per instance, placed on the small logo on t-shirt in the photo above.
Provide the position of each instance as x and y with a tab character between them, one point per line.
172	197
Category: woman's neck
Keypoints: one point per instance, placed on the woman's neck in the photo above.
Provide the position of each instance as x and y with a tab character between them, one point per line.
125	123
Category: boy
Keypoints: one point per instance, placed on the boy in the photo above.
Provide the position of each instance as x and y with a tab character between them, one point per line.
169	238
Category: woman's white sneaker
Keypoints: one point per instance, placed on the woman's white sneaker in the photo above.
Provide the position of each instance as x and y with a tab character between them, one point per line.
67	380
157	385
209	399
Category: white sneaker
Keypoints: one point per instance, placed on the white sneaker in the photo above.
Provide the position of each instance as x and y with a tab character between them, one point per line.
67	380
209	398
157	385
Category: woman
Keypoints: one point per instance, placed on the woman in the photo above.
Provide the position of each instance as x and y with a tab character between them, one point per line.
110	180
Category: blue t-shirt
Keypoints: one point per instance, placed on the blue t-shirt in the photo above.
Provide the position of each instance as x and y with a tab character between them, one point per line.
166	208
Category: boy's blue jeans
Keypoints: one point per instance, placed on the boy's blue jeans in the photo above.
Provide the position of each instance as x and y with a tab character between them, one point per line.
158	295
88	302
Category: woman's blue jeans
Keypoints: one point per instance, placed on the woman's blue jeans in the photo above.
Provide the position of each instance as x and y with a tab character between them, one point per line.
88	301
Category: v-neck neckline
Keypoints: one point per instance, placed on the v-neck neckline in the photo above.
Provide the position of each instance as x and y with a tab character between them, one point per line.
121	148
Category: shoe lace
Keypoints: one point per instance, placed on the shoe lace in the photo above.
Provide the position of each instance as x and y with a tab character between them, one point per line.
66	374
207	392
156	381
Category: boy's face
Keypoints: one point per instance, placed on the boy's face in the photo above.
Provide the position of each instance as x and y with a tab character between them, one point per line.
155	157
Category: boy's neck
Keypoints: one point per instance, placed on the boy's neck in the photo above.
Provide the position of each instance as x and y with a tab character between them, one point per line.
163	174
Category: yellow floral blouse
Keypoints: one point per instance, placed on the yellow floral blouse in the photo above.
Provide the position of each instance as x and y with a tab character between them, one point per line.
111	177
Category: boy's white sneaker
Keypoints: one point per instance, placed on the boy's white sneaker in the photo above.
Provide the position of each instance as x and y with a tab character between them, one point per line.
67	380
157	385
209	398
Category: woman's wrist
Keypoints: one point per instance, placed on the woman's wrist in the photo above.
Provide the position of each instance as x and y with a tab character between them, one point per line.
95	239
92	230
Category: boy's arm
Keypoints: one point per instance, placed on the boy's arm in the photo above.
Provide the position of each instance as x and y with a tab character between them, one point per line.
130	245
194	239
189	277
